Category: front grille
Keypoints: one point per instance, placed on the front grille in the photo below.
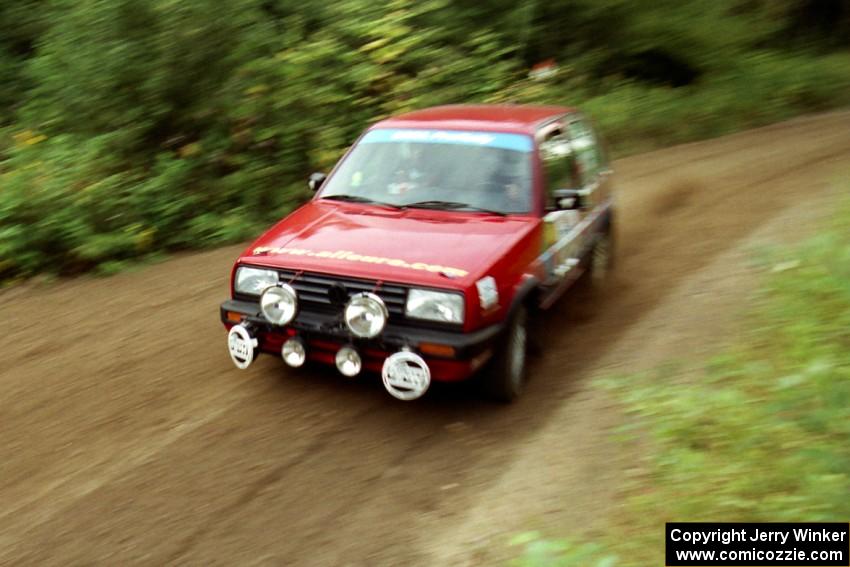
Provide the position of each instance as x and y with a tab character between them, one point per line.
314	296
314	292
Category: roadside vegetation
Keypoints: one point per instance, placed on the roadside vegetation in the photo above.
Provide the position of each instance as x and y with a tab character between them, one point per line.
761	434
133	127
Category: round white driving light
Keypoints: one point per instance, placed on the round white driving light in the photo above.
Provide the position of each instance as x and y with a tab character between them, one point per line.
294	353
242	346
348	361
406	375
366	315
279	304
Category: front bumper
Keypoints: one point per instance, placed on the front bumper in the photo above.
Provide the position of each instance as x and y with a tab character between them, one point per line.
324	334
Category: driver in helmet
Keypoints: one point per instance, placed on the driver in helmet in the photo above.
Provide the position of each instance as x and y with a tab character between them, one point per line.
506	186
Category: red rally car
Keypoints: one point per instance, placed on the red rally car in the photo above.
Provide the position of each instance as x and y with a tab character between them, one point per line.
427	248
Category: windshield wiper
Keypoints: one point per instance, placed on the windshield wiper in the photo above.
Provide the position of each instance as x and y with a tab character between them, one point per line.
435	204
359	199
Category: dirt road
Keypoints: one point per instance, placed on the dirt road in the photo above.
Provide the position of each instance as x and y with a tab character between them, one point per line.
128	436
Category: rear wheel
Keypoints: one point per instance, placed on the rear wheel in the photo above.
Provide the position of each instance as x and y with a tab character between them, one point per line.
507	372
601	258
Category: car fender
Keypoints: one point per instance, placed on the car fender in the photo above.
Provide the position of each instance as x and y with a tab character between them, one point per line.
525	293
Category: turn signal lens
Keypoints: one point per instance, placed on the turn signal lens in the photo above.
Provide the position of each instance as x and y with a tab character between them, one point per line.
443	351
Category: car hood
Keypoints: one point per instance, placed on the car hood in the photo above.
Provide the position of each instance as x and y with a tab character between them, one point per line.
425	247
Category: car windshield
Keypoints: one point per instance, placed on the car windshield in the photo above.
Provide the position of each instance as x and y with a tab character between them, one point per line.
439	169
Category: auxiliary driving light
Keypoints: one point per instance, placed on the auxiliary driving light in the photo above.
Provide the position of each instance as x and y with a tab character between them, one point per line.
293	352
366	315
348	361
406	375
242	346
279	304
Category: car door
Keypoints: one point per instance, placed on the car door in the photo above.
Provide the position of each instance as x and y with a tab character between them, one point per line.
562	242
572	158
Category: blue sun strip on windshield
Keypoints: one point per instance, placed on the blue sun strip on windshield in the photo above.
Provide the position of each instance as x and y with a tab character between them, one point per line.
502	140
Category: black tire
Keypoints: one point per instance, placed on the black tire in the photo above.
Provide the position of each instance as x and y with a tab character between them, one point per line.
601	259
505	378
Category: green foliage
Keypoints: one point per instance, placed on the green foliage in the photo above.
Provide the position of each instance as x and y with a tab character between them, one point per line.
542	552
21	23
756	89
763	435
134	127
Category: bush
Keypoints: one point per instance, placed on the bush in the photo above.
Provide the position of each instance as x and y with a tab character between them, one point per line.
756	89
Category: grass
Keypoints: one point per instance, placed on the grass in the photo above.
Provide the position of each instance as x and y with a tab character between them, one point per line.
763	433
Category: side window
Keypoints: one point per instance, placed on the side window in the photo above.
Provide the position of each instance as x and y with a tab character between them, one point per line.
587	151
559	165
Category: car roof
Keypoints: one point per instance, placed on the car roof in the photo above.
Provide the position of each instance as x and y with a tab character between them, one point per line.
519	118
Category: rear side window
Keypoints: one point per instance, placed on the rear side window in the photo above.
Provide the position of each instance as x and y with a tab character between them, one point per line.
559	164
589	157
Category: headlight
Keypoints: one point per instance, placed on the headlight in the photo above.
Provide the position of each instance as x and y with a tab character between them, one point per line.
254	280
435	305
366	315
279	304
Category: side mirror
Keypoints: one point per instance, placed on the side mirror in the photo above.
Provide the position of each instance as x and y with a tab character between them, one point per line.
568	199
315	181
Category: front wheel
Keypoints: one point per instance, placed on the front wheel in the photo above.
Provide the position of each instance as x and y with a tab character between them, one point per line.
506	375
